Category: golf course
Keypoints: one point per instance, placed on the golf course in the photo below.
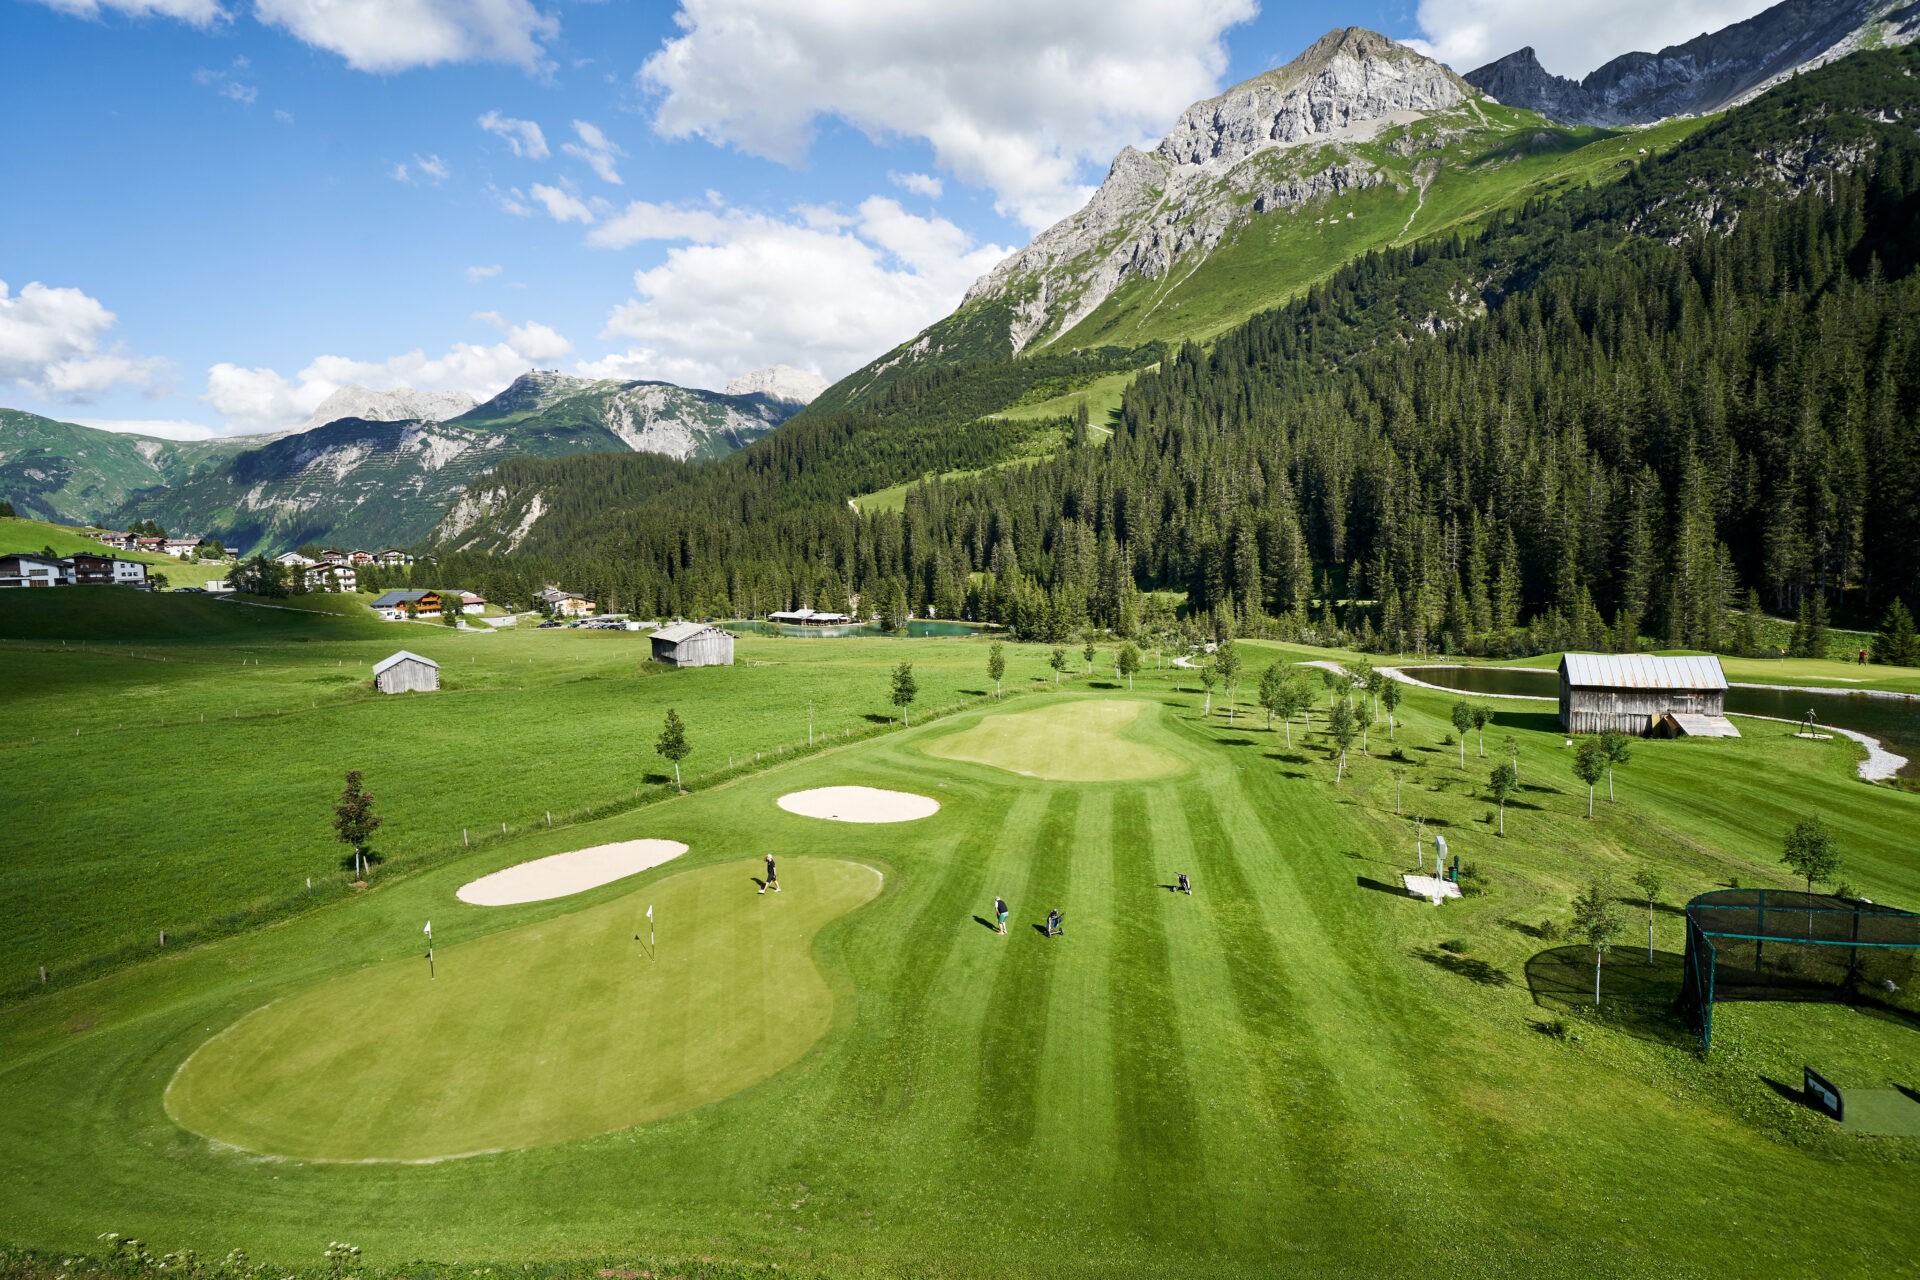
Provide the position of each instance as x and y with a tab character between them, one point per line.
1297	1068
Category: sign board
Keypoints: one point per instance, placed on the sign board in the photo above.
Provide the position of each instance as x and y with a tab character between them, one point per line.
1823	1094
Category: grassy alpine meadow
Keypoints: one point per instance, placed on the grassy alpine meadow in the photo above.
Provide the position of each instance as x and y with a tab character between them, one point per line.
1296	1070
192	747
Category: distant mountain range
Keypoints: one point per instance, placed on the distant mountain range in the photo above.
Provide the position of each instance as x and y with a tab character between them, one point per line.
1709	73
384	473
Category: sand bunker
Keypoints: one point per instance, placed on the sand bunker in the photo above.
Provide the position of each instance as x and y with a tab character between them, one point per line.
859	804
566	873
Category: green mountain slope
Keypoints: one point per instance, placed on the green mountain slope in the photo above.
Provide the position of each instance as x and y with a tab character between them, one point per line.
1357	145
67	473
1608	411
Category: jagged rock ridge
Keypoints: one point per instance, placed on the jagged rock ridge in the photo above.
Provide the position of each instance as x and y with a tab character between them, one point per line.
401	404
1206	175
779	382
1709	73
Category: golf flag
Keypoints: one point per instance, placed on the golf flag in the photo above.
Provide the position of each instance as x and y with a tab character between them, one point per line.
429	928
649	911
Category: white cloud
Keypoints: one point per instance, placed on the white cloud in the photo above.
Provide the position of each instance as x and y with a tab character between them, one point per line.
523	137
227	83
476	274
393	35
1572	37
264	399
424	169
201	13
596	149
50	343
920	184
1029	100
561	206
644	220
284	117
749	290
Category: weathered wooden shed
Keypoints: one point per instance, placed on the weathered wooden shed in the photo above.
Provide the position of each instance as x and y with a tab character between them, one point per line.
1640	693
406	673
693	644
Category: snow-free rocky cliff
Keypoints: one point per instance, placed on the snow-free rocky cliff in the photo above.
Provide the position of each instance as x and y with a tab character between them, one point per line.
1221	165
1709	73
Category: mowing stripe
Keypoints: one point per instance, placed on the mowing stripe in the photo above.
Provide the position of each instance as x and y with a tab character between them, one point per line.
1159	1152
1016	1025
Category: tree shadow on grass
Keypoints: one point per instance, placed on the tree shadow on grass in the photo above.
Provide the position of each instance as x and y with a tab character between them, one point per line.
973	693
1292	773
1467	967
656	779
1533	931
1287	757
1234	742
872	717
1102	684
369	859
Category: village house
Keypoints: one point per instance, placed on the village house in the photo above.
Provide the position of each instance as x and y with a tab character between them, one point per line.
294	560
85	567
331	576
359	558
393	556
29	571
182	546
471	603
693	644
392	605
565	604
1641	693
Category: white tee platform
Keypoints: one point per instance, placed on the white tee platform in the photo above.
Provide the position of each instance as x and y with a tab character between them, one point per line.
1429	887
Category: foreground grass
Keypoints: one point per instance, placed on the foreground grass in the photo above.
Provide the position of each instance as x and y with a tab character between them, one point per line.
1285	1073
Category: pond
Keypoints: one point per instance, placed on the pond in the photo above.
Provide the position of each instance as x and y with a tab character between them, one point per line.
1895	721
916	629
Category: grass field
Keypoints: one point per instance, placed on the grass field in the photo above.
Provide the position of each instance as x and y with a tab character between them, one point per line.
1286	1073
1065	742
559	1029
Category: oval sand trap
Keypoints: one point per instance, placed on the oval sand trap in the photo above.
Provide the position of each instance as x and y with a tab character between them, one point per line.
859	804
566	873
1101	740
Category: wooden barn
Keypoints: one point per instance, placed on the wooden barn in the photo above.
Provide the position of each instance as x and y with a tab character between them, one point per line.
406	673
693	644
1643	694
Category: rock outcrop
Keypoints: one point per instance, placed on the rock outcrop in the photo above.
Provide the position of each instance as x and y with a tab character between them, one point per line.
780	382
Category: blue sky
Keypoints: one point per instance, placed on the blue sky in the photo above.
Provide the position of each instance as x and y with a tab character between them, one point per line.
221	210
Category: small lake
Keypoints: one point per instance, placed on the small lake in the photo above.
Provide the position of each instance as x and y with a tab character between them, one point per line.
1895	721
916	629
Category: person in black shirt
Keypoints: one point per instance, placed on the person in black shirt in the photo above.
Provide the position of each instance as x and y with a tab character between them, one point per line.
1053	922
1000	912
773	877
1186	885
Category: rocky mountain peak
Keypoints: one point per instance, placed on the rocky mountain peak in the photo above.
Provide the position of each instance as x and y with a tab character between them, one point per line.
398	405
533	391
1212	172
1346	79
779	382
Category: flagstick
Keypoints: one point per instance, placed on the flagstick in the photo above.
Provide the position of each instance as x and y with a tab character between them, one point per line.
430	973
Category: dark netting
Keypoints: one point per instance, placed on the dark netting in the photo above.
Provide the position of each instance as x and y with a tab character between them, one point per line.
1781	944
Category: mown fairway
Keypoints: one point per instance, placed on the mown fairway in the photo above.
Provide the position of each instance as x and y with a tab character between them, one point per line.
1285	1072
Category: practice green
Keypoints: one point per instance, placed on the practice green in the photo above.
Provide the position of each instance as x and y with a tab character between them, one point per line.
1078	741
540	1034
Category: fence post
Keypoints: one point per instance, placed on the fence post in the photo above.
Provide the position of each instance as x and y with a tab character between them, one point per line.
464	838
549	817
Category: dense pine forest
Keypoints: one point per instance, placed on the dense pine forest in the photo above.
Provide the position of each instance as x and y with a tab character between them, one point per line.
1639	411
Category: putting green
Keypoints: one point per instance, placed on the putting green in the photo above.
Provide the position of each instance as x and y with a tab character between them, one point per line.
536	1035
1079	741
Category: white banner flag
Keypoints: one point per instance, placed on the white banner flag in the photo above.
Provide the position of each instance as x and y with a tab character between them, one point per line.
649	911
429	928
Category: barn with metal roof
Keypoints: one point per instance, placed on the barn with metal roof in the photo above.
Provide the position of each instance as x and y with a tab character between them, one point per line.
1642	693
693	644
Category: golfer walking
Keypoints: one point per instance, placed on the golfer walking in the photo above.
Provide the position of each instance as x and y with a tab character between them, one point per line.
773	877
1000	912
